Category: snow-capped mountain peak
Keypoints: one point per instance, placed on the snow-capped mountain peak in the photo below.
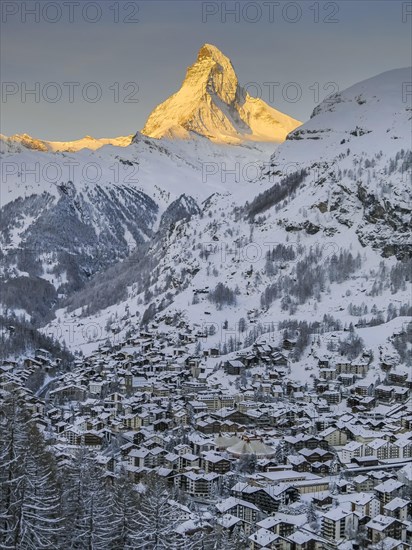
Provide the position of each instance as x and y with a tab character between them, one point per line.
211	103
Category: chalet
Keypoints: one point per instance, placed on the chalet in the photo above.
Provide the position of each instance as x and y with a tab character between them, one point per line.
35	406
386	364
172	461
201	444
264	539
361	404
283	524
232	415
289	343
401	394
189	460
397	378
235	367
182	449
303	441
388	490
126	353
332	397
334	436
279	359
268	498
180	417
321	386
211	352
299	463
196	484
360	368
166	474
385	394
249	359
276	390
381	527
161	425
196	407
136	474
406	422
31	362
316	455
92	439
343	366
398	508
242	509
304	540
321	468
213	462
362	483
192	361
347	379
401	448
187	337
328	374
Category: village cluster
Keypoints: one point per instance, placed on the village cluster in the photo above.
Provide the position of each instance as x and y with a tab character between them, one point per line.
295	466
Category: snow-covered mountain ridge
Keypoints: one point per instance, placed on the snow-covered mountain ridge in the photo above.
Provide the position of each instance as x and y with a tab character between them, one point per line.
15	142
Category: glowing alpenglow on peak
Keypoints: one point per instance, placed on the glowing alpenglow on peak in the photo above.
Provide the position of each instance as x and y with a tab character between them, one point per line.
211	103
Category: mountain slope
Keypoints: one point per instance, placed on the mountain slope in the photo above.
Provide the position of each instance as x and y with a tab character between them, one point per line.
308	243
67	216
211	103
357	150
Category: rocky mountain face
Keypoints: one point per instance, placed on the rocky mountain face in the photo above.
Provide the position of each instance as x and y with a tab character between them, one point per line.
180	210
211	103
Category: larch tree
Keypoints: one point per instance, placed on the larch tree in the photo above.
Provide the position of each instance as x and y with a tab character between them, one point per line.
158	519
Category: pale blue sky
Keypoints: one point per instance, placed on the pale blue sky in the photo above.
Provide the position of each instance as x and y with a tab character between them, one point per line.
368	38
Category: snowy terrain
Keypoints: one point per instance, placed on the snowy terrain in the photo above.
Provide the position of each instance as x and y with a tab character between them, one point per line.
346	204
183	215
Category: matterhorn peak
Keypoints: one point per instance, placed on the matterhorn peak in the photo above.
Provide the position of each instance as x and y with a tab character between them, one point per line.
211	103
212	52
